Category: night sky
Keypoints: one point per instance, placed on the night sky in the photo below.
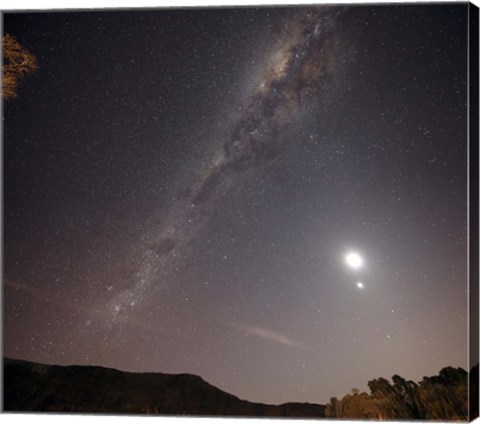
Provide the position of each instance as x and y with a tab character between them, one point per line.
274	199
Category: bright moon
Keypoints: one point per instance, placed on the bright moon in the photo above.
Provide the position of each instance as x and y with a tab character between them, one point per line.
360	285
354	260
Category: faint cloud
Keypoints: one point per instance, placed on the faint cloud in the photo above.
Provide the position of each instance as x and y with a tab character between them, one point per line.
39	294
269	335
19	286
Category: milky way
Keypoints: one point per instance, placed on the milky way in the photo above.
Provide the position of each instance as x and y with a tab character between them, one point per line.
307	53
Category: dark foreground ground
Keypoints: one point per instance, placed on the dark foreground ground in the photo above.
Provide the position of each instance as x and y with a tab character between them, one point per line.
86	389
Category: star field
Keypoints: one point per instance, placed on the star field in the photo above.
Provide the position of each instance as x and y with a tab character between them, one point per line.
274	199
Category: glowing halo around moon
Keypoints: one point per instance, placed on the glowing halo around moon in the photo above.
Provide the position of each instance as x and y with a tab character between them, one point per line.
354	260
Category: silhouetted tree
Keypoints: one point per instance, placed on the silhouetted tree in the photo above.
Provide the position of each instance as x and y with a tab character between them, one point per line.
446	395
17	62
474	392
441	397
332	408
407	392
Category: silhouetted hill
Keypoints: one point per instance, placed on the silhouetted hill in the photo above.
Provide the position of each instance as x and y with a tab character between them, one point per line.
87	389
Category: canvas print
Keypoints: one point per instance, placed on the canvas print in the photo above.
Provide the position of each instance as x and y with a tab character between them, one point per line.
249	211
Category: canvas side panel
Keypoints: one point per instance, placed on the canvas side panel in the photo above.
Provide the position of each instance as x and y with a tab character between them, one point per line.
473	123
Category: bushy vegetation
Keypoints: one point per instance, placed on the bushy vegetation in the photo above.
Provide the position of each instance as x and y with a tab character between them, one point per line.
17	62
441	397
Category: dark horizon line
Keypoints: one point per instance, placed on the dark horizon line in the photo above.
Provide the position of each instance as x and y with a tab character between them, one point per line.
158	373
468	371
